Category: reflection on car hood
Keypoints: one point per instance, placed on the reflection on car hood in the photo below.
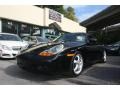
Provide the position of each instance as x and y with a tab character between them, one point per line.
40	46
66	45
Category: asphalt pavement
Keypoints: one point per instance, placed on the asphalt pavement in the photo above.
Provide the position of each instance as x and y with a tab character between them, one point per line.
97	74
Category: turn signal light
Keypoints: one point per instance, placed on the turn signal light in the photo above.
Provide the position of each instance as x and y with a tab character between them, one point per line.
46	54
69	54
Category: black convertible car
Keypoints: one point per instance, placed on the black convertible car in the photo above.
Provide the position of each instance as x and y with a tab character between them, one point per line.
68	53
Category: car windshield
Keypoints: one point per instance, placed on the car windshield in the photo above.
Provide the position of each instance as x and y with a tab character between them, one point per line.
71	38
8	37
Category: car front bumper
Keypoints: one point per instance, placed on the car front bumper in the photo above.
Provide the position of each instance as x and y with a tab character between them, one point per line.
8	53
57	62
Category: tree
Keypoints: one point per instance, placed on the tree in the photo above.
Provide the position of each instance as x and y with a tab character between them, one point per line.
69	13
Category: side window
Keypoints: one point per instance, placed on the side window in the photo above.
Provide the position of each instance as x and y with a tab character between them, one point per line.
92	39
33	39
40	39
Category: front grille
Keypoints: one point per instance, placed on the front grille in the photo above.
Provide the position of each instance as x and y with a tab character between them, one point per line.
5	55
16	48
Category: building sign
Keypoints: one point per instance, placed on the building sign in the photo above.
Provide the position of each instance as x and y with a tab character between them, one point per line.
53	15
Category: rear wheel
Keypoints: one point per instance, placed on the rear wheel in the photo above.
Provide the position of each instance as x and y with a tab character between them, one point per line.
76	66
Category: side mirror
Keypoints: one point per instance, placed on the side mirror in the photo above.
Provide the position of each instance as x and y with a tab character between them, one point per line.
92	40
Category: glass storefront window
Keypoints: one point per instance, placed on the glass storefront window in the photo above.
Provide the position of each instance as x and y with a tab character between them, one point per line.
22	29
52	34
25	30
36	30
9	26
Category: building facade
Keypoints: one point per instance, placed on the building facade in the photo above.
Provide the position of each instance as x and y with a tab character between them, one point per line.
33	20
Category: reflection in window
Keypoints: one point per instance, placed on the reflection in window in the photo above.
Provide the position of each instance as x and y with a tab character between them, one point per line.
52	34
9	26
36	30
25	30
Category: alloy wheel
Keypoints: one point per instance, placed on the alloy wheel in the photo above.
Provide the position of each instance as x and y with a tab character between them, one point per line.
104	56
77	64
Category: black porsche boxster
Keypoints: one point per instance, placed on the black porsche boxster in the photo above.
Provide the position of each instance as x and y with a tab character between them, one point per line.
69	53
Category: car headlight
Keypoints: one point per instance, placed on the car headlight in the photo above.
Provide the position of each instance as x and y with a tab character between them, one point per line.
25	47
52	51
5	47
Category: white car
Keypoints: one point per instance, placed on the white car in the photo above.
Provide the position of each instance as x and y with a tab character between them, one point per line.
10	45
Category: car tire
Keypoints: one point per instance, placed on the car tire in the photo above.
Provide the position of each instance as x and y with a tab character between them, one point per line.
104	57
76	65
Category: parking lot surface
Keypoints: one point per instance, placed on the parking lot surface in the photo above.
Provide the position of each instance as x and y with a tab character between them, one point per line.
100	74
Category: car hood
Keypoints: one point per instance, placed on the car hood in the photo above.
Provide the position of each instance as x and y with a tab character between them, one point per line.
47	45
13	43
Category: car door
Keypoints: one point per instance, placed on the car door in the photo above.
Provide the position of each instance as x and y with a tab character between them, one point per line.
92	49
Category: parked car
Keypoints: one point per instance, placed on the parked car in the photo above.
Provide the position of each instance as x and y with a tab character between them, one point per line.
32	40
10	45
68	53
113	48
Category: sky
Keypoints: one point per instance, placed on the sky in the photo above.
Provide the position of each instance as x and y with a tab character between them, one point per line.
84	12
